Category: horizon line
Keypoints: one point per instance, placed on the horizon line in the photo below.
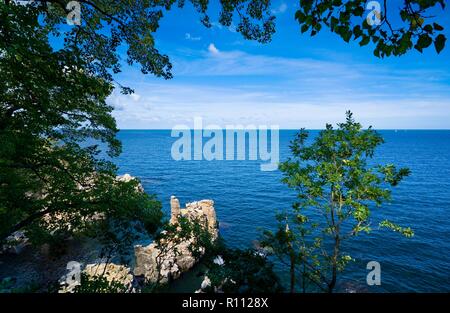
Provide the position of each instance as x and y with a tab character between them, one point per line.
309	129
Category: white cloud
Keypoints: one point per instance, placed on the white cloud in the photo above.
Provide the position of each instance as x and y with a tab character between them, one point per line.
212	48
231	28
231	87
135	97
280	9
166	104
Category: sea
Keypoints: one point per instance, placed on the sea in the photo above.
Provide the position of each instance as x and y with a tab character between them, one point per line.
247	200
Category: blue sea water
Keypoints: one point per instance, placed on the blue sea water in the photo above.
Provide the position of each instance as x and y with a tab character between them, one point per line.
247	199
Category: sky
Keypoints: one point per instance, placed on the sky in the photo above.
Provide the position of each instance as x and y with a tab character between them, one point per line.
293	82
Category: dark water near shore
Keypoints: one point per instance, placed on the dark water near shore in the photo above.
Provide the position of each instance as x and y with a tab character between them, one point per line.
247	199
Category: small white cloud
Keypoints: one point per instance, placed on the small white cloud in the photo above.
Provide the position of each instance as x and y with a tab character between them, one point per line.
135	97
232	28
212	48
216	24
188	36
281	9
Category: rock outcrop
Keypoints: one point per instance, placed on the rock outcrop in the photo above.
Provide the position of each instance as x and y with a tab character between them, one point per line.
163	261
15	243
127	178
113	273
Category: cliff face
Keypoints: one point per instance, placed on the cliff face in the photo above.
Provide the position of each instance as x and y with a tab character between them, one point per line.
165	261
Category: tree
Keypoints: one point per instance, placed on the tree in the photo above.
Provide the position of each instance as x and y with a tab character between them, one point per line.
54	120
55	123
393	30
107	24
337	187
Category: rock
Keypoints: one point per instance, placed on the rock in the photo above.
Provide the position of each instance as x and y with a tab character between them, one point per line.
175	210
203	210
119	274
15	243
127	178
206	283
112	272
219	261
158	266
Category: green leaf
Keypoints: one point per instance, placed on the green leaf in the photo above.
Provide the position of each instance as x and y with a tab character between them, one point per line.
438	27
428	28
376	52
346	35
304	28
404	15
333	23
424	41
439	43
364	41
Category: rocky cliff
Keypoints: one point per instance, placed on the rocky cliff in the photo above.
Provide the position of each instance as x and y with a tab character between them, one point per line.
161	262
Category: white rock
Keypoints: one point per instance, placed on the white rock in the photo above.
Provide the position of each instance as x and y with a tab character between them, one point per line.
205	283
219	261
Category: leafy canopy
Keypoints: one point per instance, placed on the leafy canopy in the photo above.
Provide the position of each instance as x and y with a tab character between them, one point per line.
405	25
54	125
108	25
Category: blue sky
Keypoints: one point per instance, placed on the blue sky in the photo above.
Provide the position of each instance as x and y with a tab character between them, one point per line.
295	81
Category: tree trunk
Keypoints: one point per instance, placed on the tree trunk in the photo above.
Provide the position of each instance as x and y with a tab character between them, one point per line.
292	272
332	283
30	219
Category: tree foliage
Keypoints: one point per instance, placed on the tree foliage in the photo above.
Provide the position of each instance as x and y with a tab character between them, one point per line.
399	29
107	25
242	271
55	125
337	187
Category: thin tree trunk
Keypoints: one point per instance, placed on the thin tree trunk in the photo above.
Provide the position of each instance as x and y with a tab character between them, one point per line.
292	272
332	283
30	219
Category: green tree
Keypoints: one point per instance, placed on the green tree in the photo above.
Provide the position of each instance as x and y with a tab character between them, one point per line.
54	125
337	187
